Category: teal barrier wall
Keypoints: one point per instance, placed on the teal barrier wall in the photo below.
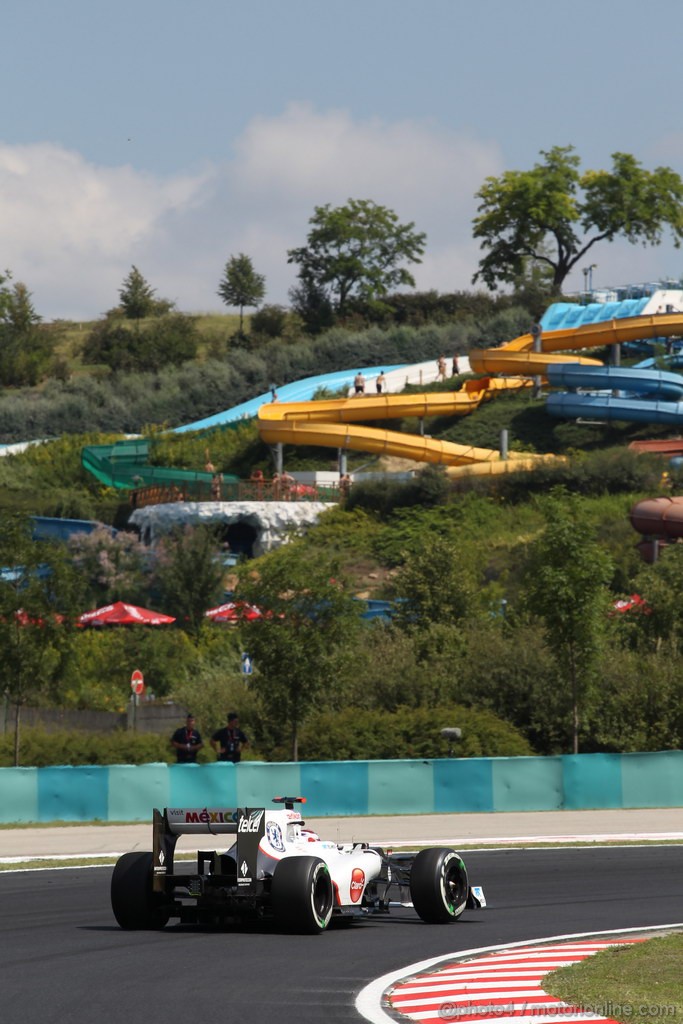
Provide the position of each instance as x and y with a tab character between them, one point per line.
129	793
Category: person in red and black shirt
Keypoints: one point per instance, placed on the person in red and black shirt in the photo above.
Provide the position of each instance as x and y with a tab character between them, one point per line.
187	742
228	742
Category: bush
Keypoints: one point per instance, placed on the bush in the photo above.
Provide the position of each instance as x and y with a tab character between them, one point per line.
430	487
269	321
167	340
40	749
355	734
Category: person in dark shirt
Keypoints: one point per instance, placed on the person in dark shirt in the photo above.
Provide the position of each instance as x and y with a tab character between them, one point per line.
187	742
230	741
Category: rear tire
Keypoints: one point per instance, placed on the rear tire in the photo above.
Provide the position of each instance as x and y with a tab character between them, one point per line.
134	903
302	895
438	885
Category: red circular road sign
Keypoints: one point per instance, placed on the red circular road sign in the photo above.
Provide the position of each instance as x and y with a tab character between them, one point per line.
137	681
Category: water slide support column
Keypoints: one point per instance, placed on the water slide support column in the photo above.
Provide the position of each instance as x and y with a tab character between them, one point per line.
537	347
615	360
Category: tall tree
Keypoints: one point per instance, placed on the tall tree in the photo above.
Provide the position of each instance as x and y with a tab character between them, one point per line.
536	216
240	285
298	646
659	625
39	593
566	586
4	292
136	296
437	585
25	346
358	250
189	574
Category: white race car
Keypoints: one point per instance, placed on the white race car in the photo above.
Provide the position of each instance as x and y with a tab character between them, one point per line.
278	870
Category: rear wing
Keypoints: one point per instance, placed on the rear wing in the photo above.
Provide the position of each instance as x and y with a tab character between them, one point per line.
248	824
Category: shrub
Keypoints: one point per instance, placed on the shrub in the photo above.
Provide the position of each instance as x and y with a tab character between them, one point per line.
269	321
40	749
354	734
167	340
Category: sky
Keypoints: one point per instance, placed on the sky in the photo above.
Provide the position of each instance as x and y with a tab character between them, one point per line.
171	136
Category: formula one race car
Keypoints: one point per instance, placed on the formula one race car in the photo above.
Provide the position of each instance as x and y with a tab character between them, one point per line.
279	870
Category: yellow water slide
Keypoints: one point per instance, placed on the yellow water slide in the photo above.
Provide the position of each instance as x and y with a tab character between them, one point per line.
341	422
516	356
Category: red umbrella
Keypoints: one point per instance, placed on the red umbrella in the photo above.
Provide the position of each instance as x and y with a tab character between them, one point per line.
629	603
234	611
122	614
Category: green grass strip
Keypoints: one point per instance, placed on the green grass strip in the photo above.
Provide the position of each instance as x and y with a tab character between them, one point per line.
639	982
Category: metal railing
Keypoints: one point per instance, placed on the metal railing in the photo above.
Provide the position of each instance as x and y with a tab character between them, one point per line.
242	490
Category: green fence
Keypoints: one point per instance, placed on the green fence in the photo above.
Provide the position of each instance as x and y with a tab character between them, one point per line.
129	793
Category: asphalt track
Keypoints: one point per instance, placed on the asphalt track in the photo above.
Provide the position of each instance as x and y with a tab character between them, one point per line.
63	959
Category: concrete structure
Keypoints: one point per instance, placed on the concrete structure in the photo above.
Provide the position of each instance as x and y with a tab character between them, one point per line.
259	525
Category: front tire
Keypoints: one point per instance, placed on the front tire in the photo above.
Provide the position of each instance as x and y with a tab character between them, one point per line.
135	905
302	895
438	885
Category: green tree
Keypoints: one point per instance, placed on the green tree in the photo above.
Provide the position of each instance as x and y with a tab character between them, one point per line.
270	321
25	345
534	217
189	575
40	593
566	586
240	285
136	296
4	292
659	624
436	585
96	673
298	646
358	250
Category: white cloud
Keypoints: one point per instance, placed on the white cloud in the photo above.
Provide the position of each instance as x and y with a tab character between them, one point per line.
425	173
72	230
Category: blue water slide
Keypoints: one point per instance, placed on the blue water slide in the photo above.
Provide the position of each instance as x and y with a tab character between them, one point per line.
554	317
657	383
660	401
563	315
298	391
609	407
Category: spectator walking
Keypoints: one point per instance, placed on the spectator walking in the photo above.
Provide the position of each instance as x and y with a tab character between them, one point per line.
230	741
380	382
187	742
359	384
455	369
441	368
344	485
216	484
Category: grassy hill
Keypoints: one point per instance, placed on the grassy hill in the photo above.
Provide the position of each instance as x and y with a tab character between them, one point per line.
482	650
